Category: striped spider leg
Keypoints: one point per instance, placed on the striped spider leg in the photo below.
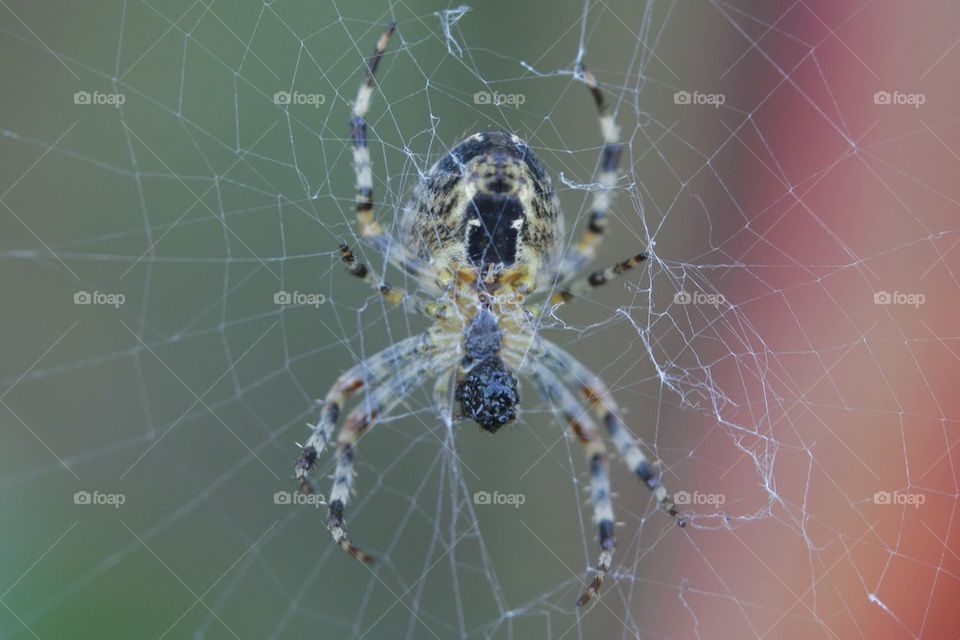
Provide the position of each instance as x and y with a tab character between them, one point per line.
389	375
565	274
566	404
553	368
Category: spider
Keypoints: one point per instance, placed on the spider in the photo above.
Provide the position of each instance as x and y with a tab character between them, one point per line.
482	233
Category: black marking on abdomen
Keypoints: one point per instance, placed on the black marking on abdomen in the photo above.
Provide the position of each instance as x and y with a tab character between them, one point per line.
493	238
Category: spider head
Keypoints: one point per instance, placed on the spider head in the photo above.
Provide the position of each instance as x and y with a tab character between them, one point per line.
488	395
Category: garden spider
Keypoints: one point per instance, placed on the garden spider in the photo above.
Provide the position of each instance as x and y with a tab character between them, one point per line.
480	235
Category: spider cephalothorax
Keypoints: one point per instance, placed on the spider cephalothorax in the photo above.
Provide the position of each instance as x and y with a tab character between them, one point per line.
482	233
488	392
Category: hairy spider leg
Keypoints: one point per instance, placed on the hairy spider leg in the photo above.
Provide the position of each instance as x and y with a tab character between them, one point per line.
375	369
371	230
578	417
369	227
393	295
593	234
597	279
380	401
575	374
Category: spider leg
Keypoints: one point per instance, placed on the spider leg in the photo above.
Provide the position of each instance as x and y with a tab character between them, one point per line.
371	230
596	279
369	227
380	402
586	248
391	294
374	369
443	398
564	402
575	374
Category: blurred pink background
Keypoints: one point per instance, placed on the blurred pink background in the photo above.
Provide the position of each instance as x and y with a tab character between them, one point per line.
853	201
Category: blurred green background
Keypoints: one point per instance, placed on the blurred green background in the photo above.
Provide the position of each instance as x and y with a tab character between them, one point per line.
199	198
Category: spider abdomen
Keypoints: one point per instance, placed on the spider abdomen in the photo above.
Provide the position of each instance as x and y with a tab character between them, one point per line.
489	202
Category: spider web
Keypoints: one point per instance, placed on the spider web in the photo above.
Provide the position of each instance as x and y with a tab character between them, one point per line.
788	352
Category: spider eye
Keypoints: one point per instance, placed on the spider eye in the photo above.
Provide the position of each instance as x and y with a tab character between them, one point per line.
488	395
